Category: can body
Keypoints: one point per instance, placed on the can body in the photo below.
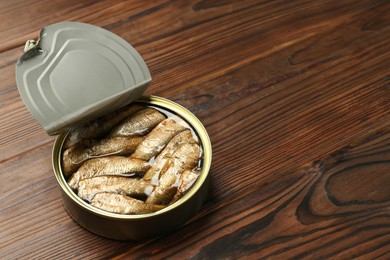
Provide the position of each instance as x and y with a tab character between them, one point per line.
138	227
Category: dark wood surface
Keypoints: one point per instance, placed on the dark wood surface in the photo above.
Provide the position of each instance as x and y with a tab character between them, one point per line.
295	97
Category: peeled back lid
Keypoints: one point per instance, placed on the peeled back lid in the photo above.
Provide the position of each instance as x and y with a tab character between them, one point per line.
76	72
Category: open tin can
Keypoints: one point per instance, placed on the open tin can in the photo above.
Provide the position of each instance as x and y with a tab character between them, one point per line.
72	48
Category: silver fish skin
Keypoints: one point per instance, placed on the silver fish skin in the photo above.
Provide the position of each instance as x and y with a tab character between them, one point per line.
76	155
186	157
118	203
140	123
187	180
110	165
100	126
156	140
88	188
183	137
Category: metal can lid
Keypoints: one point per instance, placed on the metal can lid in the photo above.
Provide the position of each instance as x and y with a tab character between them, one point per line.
76	72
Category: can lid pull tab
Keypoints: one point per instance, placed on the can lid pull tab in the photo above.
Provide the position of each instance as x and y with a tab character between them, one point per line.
30	44
31	49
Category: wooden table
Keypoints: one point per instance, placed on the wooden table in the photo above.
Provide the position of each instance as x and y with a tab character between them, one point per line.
295	97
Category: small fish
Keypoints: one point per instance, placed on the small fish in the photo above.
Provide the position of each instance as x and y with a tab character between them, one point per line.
182	137
139	123
76	155
155	141
88	188
122	204
186	157
110	165
187	179
100	126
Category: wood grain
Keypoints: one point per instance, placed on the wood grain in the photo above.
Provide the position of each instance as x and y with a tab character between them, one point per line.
294	95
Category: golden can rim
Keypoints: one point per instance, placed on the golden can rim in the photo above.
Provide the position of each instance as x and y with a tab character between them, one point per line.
157	101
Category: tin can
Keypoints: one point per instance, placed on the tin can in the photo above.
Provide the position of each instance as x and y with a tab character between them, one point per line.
138	227
77	72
